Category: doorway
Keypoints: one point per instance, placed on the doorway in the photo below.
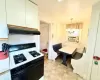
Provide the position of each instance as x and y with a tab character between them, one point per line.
44	38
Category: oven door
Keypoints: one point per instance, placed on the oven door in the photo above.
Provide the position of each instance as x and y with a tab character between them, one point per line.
21	75
35	72
32	72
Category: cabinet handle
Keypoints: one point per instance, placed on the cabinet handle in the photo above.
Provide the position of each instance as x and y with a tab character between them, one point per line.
96	62
96	58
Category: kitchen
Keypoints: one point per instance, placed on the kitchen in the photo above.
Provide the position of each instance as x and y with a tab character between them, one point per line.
19	41
20	56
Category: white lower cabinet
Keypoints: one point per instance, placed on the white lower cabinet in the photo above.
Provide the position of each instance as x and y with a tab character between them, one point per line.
4	65
5	76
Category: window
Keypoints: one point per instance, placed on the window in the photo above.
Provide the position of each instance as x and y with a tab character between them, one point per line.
73	32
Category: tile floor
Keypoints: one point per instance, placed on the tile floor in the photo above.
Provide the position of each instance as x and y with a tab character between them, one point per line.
54	70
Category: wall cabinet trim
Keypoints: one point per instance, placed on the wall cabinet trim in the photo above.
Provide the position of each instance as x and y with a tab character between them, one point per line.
1	39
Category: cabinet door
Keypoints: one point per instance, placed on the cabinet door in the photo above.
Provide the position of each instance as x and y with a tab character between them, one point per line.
95	73
32	20
20	76
5	76
3	25
15	12
35	71
94	44
4	65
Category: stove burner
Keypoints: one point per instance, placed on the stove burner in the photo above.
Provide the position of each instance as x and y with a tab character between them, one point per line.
34	53
19	58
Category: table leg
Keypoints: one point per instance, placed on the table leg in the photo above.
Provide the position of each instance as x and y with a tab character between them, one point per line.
64	59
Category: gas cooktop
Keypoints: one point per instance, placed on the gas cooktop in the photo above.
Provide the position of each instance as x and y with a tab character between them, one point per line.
23	53
34	53
19	58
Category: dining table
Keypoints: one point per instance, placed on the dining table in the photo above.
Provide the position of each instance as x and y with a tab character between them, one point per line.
67	51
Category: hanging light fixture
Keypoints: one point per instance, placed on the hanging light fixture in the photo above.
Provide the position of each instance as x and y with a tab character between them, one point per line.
71	20
70	29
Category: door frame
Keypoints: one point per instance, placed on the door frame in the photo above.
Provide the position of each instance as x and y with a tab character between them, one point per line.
48	33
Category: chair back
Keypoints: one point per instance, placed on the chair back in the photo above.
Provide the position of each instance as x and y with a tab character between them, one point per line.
56	47
77	56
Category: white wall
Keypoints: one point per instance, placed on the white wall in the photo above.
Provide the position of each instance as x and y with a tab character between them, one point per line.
84	37
57	35
21	39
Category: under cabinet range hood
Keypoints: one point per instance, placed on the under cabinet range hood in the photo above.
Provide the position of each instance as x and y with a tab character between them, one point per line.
14	29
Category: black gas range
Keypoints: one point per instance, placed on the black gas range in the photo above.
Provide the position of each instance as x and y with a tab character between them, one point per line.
31	70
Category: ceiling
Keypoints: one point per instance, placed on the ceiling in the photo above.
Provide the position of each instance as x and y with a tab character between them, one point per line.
52	10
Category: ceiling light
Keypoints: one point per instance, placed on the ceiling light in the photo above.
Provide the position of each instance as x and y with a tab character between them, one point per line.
59	0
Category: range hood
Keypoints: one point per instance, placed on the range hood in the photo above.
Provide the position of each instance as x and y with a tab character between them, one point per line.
13	29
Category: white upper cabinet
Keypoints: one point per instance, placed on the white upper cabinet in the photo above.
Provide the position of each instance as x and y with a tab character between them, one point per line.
32	19
3	25
15	12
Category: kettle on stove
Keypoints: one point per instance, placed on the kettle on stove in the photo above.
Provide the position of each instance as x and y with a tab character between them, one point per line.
4	52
